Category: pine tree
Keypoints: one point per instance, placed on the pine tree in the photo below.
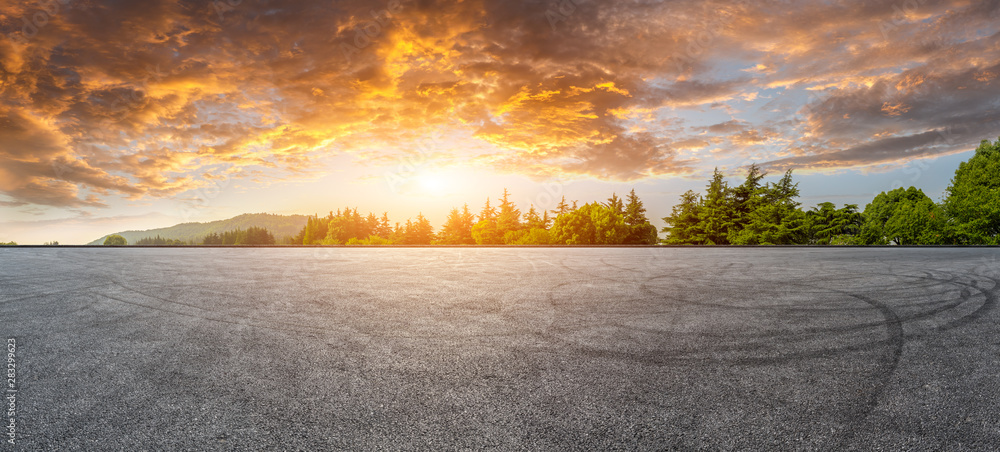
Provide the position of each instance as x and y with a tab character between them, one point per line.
384	229
488	213
777	220
714	213
457	229
468	219
309	236
615	204
509	218
532	220
641	232
744	200
423	232
561	208
683	224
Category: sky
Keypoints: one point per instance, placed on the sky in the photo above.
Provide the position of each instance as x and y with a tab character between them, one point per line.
118	115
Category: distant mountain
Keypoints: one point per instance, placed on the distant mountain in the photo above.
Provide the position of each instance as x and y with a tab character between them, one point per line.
279	225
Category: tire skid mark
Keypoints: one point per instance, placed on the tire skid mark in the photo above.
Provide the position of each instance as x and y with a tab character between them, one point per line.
819	290
46	294
288	326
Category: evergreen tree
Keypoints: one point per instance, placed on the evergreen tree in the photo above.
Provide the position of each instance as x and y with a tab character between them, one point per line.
309	234
398	235
715	213
778	219
384	229
615	204
488	213
641	232
561	208
532	220
827	225
509	218
486	231
409	233
684	223
457	229
744	199
422	232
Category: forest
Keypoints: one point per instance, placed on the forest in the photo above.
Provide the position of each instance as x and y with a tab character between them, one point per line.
615	222
752	213
253	235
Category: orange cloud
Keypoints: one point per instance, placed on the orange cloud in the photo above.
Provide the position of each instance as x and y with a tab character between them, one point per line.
144	99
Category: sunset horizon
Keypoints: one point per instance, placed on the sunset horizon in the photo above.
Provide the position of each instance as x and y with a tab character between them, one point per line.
119	116
512	225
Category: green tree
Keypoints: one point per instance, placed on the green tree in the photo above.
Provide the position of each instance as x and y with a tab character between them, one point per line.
902	217
641	232
533	221
591	224
574	228
316	228
972	200
744	199
615	204
777	220
338	230
457	229
115	240
422	232
535	236
398	235
684	223
485	232
561	208
384	229
827	225
509	218
488	212
715	215
255	235
372	240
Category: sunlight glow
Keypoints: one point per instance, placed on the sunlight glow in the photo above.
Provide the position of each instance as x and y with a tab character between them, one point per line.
433	183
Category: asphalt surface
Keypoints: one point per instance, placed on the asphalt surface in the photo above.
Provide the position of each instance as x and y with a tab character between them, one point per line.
509	349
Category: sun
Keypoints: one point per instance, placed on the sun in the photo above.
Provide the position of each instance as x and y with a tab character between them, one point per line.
433	183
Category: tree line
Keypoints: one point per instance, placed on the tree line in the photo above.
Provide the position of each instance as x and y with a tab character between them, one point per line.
750	213
614	222
753	213
253	235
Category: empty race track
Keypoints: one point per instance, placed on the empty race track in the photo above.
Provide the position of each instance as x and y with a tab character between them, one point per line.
503	348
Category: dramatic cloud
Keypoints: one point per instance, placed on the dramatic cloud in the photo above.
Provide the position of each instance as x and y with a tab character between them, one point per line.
150	99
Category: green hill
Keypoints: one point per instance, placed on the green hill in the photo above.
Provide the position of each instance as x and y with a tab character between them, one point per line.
279	225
